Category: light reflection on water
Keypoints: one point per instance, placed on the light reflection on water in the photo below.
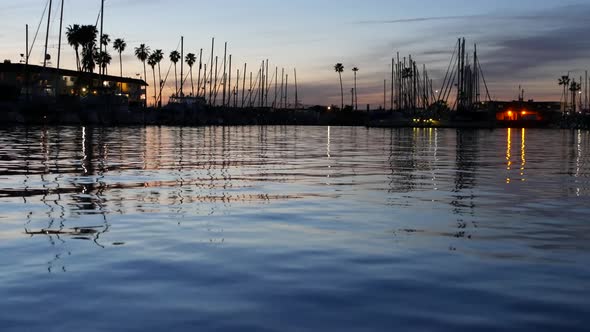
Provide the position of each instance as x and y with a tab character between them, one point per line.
236	227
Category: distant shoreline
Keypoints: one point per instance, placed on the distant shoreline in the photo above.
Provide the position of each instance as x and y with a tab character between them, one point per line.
48	116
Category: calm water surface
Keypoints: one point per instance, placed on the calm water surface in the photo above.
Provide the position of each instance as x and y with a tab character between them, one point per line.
294	229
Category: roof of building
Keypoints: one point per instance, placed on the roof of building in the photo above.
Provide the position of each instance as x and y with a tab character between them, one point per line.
20	67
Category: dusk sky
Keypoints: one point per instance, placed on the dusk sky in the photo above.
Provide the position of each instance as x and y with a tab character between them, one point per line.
524	42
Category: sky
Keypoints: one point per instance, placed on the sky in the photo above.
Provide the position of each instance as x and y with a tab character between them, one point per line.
525	42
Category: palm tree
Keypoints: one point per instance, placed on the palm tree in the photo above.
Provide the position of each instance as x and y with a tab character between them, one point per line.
103	59
190	59
159	56
339	68
120	45
73	35
175	57
356	101
152	61
105	40
87	39
142	53
565	81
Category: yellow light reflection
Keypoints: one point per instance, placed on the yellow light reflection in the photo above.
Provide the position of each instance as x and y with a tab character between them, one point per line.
523	154
509	153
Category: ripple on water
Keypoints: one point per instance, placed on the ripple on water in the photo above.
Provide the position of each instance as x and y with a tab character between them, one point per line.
293	228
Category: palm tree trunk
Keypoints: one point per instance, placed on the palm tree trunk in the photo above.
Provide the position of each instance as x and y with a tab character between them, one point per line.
145	78
155	88
341	92
160	83
78	59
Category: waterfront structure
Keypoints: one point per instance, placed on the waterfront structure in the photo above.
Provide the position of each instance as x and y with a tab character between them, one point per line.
22	82
530	111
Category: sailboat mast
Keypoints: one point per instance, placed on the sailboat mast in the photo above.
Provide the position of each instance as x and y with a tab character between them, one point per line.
224	74
282	87
586	91
392	80
47	35
100	70
211	72
181	65
58	78
286	90
199	77
244	85
61	19
27	42
296	91
230	91
274	104
267	86
236	89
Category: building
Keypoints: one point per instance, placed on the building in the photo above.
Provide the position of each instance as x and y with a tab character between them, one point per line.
529	111
19	81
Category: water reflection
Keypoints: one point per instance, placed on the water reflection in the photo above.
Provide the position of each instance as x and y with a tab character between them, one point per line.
69	180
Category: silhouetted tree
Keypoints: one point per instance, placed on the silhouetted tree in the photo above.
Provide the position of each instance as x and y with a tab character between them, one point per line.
175	57
159	56
339	68
105	40
120	45
152	61
565	81
103	59
73	36
142	53
87	39
190	59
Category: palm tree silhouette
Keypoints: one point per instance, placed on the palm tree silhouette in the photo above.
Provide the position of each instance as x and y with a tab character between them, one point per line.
105	40
152	61
73	36
87	38
190	60
142	53
159	56
120	45
339	68
103	59
356	102
565	81
175	57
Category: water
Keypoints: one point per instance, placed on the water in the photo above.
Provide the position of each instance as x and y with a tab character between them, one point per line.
294	229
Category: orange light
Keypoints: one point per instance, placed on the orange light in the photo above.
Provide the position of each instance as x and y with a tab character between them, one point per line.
523	113
509	113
